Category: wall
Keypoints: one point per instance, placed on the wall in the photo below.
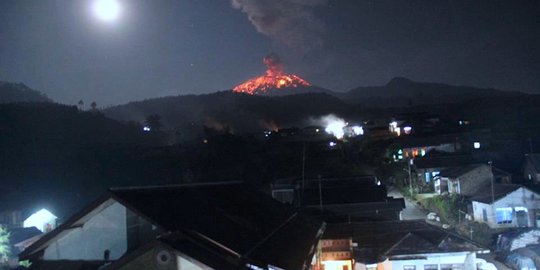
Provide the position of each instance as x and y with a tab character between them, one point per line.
466	258
105	230
521	197
470	182
529	169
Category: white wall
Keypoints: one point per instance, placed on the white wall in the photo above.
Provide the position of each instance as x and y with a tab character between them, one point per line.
186	264
466	258
521	197
105	230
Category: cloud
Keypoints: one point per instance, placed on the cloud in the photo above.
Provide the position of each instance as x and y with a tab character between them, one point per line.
290	22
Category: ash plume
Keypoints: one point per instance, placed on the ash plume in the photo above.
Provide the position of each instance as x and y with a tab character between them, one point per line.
273	63
291	22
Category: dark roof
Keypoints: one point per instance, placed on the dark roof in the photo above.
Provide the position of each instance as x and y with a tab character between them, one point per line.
342	191
443	161
231	214
17	235
343	195
499	191
409	142
235	216
459	171
535	160
378	240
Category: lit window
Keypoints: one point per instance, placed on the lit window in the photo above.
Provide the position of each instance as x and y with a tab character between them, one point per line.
431	267
504	215
423	152
409	267
476	145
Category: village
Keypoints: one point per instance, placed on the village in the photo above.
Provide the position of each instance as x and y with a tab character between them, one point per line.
441	195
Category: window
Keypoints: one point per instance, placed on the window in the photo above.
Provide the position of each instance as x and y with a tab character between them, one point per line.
476	145
409	267
504	215
484	215
427	176
455	266
431	267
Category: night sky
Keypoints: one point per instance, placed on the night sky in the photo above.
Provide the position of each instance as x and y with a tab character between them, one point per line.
157	47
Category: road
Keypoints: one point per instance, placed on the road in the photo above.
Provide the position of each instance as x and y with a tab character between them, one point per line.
411	211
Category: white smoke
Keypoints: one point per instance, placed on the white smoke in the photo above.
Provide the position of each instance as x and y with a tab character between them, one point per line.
332	125
291	22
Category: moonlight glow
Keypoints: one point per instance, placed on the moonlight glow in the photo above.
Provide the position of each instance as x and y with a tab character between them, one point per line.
107	10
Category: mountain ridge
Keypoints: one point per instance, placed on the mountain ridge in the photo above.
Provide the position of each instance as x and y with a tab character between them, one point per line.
19	92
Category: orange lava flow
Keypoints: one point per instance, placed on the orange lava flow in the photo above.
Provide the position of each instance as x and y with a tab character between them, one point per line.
274	78
264	83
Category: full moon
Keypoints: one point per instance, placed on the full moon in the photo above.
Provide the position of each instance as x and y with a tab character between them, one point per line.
107	10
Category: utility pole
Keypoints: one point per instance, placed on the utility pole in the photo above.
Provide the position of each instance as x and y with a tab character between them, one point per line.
320	194
410	176
303	165
492	189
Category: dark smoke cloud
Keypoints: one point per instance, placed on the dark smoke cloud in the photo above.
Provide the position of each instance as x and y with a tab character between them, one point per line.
291	22
273	62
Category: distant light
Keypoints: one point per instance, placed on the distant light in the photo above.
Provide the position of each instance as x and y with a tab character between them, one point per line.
205	141
107	10
393	124
460	123
332	144
407	130
42	219
146	128
476	145
317	130
358	130
378	183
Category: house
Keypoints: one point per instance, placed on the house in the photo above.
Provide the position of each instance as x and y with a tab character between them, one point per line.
464	180
201	226
348	198
43	219
508	206
385	245
412	147
531	169
337	253
428	167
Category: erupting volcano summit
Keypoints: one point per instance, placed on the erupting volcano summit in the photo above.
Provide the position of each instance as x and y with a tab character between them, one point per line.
274	79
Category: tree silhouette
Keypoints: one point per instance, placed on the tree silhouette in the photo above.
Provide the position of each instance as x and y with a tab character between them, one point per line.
93	106
80	104
5	249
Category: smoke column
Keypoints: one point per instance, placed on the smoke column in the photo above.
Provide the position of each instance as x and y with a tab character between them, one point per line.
291	22
274	64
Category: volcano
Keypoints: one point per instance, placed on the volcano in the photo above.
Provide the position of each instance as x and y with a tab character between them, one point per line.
274	79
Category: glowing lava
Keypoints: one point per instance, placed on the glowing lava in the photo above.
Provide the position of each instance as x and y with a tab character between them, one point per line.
274	78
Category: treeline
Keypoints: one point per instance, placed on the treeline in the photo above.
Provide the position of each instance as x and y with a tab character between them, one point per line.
18	92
